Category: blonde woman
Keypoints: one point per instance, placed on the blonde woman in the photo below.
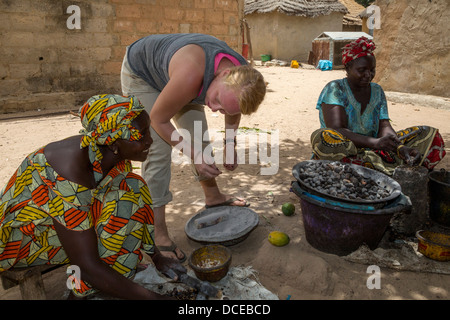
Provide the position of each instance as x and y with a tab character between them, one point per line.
175	76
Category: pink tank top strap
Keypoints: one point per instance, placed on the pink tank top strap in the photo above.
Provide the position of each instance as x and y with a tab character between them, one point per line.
220	56
217	60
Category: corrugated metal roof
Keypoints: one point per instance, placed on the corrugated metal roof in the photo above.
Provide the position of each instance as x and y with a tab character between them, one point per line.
343	35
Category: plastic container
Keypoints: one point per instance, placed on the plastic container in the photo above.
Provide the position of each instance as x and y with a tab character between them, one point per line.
266	57
201	258
338	230
434	245
325	65
439	194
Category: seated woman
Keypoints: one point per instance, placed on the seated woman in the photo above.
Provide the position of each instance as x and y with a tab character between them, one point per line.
77	201
355	126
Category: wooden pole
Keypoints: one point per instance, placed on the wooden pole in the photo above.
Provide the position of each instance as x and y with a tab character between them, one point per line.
247	33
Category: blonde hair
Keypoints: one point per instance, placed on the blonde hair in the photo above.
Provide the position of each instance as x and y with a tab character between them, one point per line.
250	85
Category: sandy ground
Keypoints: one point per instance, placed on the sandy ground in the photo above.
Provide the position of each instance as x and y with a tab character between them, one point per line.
296	270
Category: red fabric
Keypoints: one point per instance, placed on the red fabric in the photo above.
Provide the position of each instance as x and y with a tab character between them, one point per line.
357	49
436	153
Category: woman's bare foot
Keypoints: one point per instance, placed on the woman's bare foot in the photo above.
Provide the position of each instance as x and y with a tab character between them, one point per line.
162	238
227	201
171	250
214	197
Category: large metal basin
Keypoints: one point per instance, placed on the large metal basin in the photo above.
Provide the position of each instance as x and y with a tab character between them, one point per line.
340	231
382	180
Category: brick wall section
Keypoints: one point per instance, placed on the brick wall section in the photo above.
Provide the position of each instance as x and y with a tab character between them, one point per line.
46	66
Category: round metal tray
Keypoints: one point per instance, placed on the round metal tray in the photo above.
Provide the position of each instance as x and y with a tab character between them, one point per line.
237	224
380	178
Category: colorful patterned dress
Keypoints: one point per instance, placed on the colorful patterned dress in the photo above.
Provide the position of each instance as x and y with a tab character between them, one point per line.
120	210
328	144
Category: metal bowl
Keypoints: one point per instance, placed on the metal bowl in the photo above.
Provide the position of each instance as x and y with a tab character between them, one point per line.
380	178
210	263
434	245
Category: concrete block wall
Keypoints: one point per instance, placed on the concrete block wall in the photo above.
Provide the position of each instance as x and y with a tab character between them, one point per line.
47	67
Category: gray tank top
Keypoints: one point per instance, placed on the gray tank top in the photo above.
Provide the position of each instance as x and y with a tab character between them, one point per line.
149	57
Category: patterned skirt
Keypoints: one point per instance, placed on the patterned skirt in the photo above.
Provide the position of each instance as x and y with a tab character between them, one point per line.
329	144
120	210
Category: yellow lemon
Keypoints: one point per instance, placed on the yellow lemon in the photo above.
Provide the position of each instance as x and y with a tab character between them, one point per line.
288	209
278	238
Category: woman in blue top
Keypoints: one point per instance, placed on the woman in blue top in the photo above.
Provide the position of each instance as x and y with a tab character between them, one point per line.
355	125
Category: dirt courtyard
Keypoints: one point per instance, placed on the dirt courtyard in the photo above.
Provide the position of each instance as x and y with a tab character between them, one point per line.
296	270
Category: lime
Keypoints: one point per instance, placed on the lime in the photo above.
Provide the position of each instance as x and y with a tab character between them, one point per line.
278	238
288	209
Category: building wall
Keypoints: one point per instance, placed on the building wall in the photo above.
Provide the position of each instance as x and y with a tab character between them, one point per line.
287	37
47	66
352	27
413	44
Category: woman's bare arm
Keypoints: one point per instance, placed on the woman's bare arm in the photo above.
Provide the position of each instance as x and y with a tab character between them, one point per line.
336	118
81	248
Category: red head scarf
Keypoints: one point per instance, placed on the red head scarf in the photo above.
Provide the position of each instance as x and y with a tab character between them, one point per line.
357	49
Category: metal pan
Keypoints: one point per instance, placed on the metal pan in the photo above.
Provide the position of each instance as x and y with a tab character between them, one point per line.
239	223
380	178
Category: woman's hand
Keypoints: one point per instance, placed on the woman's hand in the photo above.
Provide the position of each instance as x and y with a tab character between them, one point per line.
168	266
387	142
410	155
205	166
82	250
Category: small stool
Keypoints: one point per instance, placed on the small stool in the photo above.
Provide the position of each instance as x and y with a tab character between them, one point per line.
29	279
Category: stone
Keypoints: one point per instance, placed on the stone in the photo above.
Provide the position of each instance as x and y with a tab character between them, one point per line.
414	184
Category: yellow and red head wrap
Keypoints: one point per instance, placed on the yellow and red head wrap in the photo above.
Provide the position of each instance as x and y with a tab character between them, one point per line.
357	49
106	118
